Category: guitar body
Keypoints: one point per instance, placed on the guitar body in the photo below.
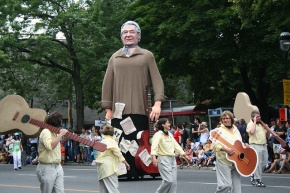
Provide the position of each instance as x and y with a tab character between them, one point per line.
12	104
245	168
243	107
144	144
244	158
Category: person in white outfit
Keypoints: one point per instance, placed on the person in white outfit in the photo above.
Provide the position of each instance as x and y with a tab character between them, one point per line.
16	150
204	133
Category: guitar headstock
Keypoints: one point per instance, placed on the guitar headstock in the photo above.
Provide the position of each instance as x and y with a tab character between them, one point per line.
214	135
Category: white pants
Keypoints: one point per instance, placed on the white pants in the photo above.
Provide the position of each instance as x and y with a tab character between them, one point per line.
228	179
16	159
50	177
168	171
262	153
109	184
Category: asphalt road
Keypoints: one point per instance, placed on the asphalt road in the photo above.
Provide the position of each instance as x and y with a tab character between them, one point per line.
83	179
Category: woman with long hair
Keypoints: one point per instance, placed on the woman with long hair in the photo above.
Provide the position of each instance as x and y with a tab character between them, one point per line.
163	151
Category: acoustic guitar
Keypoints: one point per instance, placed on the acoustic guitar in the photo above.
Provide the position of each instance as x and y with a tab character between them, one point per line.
245	159
145	142
243	109
15	115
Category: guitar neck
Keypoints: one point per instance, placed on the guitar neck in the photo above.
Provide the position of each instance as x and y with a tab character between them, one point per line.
225	142
57	130
151	128
149	110
281	141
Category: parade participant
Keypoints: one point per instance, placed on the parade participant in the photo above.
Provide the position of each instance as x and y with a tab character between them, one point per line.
129	71
49	170
228	178
165	146
258	136
16	150
108	163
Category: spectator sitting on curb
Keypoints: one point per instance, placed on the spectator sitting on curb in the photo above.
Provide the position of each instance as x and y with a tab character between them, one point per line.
283	162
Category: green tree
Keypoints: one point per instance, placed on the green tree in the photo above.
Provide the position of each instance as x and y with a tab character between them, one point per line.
72	37
208	41
196	39
263	21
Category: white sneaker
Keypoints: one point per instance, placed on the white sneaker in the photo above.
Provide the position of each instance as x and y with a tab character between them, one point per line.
214	169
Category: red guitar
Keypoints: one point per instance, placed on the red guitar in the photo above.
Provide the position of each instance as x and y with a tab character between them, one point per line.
15	115
245	159
145	142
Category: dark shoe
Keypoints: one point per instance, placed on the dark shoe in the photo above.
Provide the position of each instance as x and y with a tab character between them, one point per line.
19	168
253	181
15	169
260	184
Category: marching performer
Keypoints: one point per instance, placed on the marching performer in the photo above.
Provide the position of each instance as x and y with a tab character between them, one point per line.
258	140
108	163
228	178
164	145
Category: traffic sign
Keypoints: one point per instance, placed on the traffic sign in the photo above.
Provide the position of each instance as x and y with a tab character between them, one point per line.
283	114
286	89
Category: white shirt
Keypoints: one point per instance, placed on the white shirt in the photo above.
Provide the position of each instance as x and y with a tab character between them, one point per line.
204	137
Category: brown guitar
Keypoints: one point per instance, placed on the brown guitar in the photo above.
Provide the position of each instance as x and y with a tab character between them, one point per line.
15	115
243	109
245	159
145	143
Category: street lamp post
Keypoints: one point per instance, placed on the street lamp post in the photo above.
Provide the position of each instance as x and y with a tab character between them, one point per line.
285	46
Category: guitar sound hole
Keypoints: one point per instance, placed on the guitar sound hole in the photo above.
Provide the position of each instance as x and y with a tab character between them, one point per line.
242	156
25	119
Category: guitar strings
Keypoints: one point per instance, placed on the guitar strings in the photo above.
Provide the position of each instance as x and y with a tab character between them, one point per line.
235	150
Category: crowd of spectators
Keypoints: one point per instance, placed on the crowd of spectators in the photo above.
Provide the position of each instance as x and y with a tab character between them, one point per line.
196	143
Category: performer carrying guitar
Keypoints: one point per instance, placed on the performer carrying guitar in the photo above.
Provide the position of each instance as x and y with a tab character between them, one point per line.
49	170
228	178
258	135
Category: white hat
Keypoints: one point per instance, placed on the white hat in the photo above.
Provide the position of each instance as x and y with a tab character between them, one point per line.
204	123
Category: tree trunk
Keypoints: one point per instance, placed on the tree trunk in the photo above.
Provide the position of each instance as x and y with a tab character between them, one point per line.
79	101
259	99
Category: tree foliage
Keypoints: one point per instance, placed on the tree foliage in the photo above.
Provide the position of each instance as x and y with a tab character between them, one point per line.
204	49
208	41
70	37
